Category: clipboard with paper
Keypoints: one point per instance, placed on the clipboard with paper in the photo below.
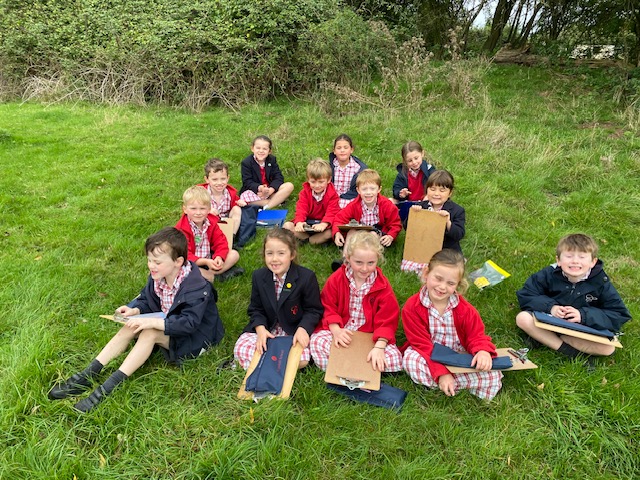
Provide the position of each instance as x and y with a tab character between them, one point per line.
348	366
572	329
425	235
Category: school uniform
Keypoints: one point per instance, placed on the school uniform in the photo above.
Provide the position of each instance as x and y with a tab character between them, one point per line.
308	208
380	311
192	322
299	305
217	240
402	181
460	328
252	177
389	219
351	192
233	194
596	298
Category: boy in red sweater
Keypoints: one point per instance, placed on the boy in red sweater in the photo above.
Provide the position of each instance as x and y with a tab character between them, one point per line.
225	202
369	208
208	247
317	205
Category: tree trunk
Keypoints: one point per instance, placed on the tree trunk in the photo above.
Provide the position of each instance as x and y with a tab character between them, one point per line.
500	18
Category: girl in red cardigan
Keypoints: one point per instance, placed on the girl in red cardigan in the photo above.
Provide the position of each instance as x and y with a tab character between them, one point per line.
358	297
438	314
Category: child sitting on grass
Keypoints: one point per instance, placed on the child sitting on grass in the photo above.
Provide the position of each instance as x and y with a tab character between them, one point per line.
208	246
345	168
577	289
358	297
439	188
263	184
439	314
369	208
413	173
285	300
225	202
317	205
191	324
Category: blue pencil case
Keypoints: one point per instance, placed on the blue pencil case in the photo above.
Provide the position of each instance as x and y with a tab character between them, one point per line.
403	209
271	218
578	327
447	356
388	397
268	377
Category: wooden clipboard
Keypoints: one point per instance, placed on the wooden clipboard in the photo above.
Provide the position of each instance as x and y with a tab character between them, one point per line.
293	362
425	235
573	333
502	352
354	226
121	319
350	364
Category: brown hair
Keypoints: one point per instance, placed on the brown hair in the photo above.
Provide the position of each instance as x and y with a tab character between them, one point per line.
577	242
318	169
284	236
264	138
345	137
169	240
448	258
440	178
368	176
215	165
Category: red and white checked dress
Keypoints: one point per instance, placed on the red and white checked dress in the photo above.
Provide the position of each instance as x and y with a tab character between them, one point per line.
484	385
320	343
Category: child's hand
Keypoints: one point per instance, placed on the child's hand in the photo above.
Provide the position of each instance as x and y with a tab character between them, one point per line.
300	226
205	262
569	314
386	240
217	263
416	207
338	239
261	342
404	193
147	323
127	312
482	361
301	337
341	337
320	227
241	203
376	357
446	384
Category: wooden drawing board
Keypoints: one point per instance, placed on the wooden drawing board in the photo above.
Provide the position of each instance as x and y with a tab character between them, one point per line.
502	352
293	362
119	318
226	226
351	362
113	319
345	228
573	333
425	234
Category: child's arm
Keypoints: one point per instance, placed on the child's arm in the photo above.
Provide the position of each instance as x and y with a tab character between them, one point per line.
341	336
332	201
303	206
376	355
312	308
249	181
333	301
534	294
447	385
261	342
609	313
389	219
386	313
471	331
482	361
218	241
256	310
456	222
400	184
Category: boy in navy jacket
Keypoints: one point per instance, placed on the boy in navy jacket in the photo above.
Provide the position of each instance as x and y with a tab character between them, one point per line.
576	289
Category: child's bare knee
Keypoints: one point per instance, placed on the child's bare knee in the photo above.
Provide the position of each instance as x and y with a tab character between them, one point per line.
524	320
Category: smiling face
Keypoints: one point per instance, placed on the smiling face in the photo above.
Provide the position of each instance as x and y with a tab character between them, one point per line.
318	185
441	282
217	180
413	160
196	212
342	150
277	256
369	193
437	195
575	264
261	150
161	265
363	262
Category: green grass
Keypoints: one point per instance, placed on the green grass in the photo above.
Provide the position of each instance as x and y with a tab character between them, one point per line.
82	186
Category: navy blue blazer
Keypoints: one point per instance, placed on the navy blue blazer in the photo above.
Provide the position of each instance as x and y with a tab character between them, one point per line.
251	178
299	304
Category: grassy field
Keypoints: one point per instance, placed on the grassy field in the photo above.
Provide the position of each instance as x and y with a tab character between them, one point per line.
542	154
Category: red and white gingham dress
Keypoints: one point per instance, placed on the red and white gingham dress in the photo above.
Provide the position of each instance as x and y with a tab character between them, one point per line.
342	178
484	385
245	346
320	344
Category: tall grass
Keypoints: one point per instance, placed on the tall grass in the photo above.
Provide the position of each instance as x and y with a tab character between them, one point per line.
83	186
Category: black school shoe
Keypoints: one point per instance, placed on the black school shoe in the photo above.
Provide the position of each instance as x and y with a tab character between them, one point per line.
234	271
75	385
